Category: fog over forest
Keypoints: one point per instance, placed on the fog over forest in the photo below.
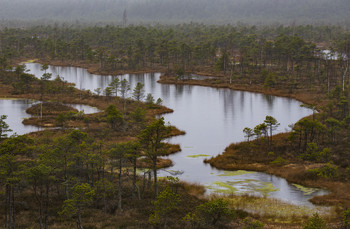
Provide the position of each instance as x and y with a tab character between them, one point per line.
179	11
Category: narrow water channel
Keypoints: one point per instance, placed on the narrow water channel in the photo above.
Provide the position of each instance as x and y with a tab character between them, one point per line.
212	118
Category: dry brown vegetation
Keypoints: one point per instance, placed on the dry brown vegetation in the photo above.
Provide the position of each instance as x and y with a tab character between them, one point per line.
162	163
296	73
135	213
248	156
256	156
50	108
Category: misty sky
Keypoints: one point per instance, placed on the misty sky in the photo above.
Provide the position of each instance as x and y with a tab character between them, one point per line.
179	11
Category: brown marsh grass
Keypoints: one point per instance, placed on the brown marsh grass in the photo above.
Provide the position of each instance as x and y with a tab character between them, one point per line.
276	211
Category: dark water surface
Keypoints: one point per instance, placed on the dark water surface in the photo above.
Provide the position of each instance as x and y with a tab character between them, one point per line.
212	118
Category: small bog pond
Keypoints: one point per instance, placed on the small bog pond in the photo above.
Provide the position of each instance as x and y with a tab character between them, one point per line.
212	118
15	109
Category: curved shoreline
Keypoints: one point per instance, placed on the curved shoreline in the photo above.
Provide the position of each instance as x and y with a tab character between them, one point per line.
310	98
302	96
287	171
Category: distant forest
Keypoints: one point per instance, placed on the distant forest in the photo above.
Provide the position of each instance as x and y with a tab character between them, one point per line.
320	12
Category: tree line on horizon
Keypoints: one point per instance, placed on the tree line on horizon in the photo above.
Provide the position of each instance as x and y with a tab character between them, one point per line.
291	55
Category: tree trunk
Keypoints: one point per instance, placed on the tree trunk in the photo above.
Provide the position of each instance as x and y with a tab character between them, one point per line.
149	183
13	207
120	187
270	142
155	177
134	180
41	209
46	219
6	207
104	196
79	226
104	189
66	178
10	224
138	192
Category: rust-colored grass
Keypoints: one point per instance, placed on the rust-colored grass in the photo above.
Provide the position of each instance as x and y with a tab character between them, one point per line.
50	109
162	163
255	156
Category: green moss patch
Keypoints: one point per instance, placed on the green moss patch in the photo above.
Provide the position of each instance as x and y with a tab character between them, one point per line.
235	173
305	190
4	98
222	187
249	186
247	182
30	61
267	188
198	155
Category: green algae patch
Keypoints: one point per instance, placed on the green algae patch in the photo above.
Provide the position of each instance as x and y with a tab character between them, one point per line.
246	182
249	186
4	98
305	190
222	187
235	173
31	61
198	155
267	188
255	186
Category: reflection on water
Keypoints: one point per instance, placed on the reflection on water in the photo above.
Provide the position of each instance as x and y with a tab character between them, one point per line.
212	118
261	184
16	112
15	109
84	108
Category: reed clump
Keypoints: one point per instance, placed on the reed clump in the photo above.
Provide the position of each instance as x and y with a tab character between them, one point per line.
276	211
